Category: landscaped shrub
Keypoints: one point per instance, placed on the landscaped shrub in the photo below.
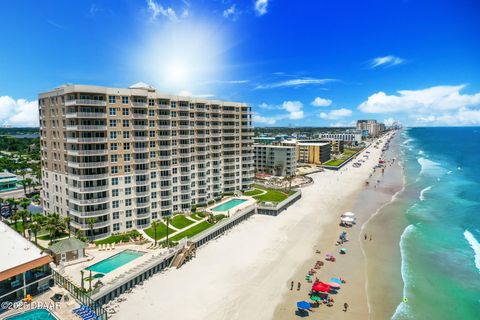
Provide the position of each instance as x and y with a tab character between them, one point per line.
194	208
201	214
211	202
226	194
219	217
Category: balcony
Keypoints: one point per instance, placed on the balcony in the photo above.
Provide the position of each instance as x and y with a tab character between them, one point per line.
87	189
141	127
90	115
164	117
87	152
87	128
139	115
142	182
89	201
88	177
140	138
141	160
140	150
86	140
87	164
85	102
86	226
89	213
139	104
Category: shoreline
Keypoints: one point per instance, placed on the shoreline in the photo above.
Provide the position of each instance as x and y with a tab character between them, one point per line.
246	273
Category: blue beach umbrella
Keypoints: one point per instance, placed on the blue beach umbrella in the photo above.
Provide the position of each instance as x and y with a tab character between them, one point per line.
336	280
303	305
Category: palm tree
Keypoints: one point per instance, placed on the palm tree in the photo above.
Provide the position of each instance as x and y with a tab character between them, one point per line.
155	225
15	217
289	180
91	222
54	225
24	214
24	203
23	183
167	218
29	183
12	205
34	227
67	221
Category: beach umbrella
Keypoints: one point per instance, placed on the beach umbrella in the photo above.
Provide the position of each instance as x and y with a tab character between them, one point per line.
348	219
334	285
320	286
303	305
348	214
336	280
315	298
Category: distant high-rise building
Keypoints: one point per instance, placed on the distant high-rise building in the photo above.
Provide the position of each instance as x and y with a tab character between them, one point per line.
373	128
128	156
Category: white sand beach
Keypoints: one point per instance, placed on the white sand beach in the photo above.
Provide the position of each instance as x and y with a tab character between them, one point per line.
246	273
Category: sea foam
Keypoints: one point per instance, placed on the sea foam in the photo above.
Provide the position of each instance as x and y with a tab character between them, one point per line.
475	246
422	193
403	310
429	166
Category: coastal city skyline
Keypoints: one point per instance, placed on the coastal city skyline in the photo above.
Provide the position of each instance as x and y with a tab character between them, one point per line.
338	66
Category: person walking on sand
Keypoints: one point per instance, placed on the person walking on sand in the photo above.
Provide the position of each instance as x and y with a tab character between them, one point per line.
298	286
365	236
345	307
370	237
291	286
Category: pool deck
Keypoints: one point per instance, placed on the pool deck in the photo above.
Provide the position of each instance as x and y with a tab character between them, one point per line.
72	272
249	201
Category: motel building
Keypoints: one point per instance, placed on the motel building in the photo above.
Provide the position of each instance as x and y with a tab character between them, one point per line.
24	268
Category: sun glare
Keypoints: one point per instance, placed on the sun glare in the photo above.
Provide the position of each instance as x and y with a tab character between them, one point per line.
182	55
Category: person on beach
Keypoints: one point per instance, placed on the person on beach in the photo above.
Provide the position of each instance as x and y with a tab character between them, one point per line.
345	307
291	286
370	237
298	286
365	236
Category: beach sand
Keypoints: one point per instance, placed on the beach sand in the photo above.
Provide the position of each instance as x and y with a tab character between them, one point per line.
246	273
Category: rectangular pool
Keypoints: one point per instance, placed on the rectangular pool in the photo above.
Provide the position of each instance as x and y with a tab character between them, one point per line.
115	261
36	314
229	205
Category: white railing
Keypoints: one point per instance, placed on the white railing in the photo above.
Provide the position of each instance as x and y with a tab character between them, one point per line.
89	102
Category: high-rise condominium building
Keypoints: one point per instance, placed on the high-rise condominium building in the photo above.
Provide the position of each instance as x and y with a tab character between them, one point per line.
126	157
373	127
279	160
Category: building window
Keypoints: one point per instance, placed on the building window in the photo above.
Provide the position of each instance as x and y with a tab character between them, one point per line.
115	193
113	135
113	123
127	169
115	204
112	111
128	191
126	134
116	215
129	224
128	180
114	181
128	202
126	157
114	170
113	146
125	111
126	123
112	99
125	99
116	226
128	213
114	157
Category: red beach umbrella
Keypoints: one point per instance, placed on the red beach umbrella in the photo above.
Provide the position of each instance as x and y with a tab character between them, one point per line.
320	286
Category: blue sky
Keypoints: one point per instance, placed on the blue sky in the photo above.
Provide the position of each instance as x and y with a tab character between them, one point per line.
298	63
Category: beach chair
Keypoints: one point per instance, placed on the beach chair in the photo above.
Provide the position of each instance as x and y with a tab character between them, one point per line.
113	246
79	309
108	246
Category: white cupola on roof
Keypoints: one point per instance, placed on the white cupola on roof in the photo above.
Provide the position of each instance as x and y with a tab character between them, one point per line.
142	85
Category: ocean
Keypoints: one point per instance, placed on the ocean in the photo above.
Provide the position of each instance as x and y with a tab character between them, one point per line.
440	245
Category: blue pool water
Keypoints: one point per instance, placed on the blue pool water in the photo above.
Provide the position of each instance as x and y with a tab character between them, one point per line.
36	314
116	261
228	205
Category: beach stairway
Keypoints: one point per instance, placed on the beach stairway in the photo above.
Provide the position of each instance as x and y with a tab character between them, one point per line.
183	255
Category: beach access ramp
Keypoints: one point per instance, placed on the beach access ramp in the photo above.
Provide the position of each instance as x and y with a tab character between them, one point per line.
183	255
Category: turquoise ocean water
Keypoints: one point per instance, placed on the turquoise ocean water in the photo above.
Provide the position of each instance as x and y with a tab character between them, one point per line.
440	246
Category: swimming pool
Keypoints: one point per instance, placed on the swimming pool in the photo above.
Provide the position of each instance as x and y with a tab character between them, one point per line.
229	205
35	314
116	261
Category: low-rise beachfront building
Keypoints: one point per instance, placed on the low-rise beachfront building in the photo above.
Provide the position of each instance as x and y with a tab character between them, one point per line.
24	268
264	140
336	146
310	152
8	181
350	138
279	160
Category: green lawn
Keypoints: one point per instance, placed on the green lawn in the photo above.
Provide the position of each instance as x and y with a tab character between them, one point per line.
47	236
272	195
197	216
161	231
253	192
192	231
114	239
179	221
345	156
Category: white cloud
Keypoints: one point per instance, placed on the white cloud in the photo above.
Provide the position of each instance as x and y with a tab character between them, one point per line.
261	119
386	61
389	121
294	108
157	9
440	98
336	114
18	113
462	117
321	102
231	12
261	7
342	124
294	83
